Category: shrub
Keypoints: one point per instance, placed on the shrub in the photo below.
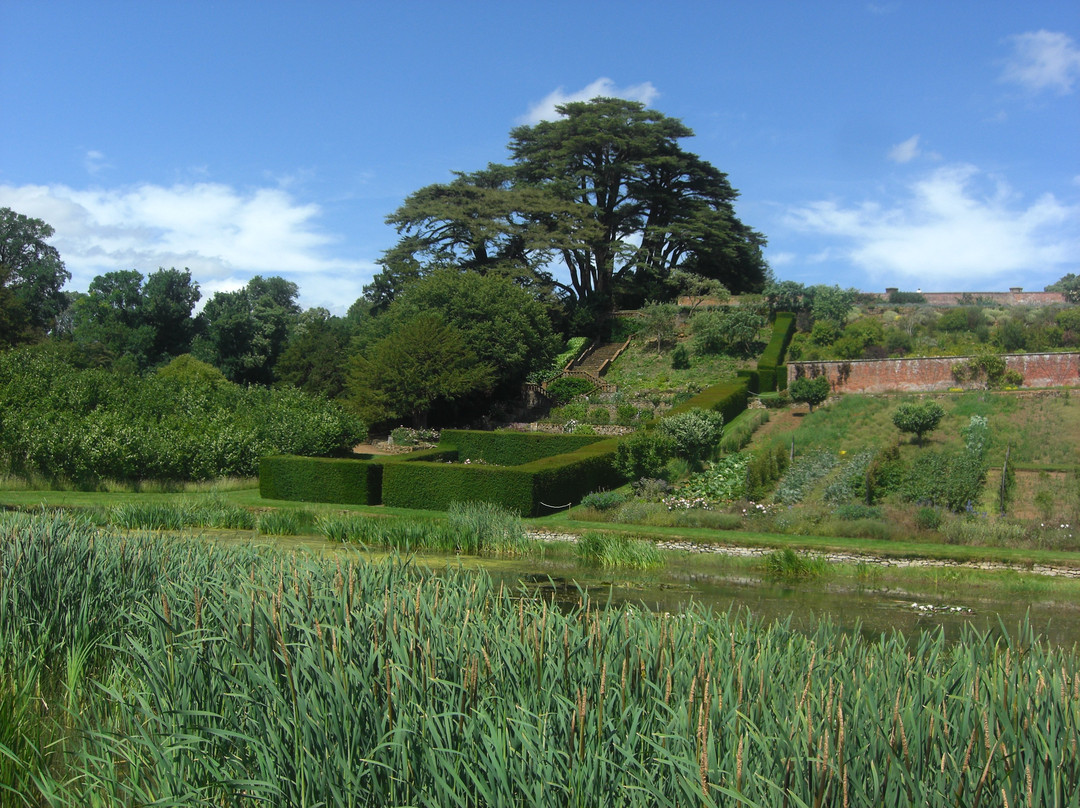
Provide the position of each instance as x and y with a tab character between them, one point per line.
856	510
723	481
643	454
764	469
625	414
566	388
651	489
952	480
680	358
603	500
693	434
927	518
805	390
599	415
918	419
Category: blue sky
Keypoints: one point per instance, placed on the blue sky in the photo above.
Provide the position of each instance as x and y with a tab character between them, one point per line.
910	144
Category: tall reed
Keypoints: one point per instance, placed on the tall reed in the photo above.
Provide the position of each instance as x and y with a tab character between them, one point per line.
231	676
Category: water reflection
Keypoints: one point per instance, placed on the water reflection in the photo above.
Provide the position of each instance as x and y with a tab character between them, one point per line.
683	584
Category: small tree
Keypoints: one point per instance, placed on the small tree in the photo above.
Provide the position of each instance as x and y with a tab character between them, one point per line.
658	319
805	390
918	419
694	434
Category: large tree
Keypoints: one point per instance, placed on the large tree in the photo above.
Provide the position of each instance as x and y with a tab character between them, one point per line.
503	325
121	316
605	190
31	277
644	205
244	332
422	361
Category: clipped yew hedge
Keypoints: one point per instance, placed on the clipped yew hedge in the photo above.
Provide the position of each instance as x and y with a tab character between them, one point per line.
532	481
728	398
772	373
512	448
523	472
352	481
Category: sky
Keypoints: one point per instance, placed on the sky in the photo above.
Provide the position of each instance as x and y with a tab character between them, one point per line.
921	145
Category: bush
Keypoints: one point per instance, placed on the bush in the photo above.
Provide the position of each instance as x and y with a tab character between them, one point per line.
680	358
952	480
625	414
643	454
599	415
603	500
765	468
693	434
805	390
918	419
856	510
927	518
566	388
651	489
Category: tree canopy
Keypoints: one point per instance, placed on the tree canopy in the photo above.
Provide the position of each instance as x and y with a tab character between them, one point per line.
148	323
421	362
604	190
31	277
246	331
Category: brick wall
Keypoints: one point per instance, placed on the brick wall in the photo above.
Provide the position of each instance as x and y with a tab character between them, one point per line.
934	373
1016	297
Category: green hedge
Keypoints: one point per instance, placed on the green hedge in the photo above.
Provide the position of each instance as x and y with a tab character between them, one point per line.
434	486
729	398
771	370
528	488
354	481
505	448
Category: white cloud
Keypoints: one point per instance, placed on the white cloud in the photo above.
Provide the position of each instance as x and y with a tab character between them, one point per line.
95	162
905	152
223	235
1043	60
956	227
544	110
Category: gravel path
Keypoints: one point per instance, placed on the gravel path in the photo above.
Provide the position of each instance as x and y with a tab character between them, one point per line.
847	558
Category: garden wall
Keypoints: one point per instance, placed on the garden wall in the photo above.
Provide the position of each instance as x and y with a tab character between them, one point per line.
933	373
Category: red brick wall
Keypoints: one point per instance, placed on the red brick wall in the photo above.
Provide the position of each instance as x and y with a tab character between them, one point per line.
926	374
1003	298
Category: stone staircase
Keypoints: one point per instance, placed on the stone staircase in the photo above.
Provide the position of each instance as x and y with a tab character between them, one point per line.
593	363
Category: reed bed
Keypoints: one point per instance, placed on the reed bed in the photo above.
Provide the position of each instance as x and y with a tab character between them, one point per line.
475	528
613	550
214	513
187	674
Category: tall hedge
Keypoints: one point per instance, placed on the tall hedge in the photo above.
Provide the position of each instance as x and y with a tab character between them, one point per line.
352	481
512	448
770	364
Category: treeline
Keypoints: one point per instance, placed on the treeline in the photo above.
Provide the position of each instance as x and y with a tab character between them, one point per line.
185	421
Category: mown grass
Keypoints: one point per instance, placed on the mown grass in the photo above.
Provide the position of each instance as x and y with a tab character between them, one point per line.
181	674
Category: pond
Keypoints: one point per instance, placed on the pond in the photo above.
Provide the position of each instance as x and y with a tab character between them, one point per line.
691	579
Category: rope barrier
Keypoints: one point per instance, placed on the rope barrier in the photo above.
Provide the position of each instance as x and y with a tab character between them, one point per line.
557	507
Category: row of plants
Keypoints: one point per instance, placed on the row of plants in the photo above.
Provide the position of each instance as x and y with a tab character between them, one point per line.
136	670
869	332
85	425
